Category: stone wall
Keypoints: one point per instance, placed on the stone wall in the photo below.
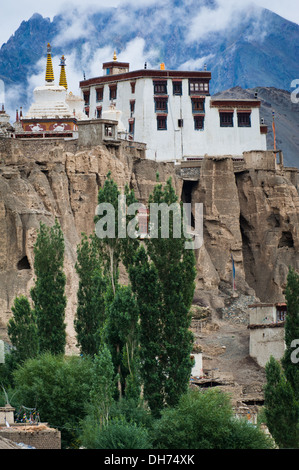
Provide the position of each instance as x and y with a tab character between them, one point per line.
39	436
266	341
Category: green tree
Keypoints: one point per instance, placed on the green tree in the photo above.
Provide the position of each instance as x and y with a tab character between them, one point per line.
90	314
58	387
100	397
281	408
119	434
111	228
289	362
48	293
115	246
103	385
205	420
121	332
22	330
162	278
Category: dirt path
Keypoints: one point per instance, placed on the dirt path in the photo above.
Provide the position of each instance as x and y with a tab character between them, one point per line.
226	353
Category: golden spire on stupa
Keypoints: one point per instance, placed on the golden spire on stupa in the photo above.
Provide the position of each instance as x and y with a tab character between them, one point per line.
114	56
49	69
62	80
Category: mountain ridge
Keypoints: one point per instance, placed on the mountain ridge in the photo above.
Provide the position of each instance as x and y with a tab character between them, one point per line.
243	54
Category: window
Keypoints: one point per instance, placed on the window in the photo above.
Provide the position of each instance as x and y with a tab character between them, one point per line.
86	95
161	104
281	312
198	122
198	105
100	93
227	119
131	126
162	123
133	87
113	92
86	110
198	86
99	112
177	88
244	119
160	87
108	130
132	106
180	123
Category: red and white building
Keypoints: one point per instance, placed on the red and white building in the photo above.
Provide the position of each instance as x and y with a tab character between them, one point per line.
173	112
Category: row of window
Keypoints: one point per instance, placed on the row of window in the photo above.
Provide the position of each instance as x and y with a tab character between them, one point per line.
162	122
160	88
196	86
161	104
226	120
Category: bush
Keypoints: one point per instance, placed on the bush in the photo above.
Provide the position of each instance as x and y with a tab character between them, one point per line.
119	434
58	387
205	420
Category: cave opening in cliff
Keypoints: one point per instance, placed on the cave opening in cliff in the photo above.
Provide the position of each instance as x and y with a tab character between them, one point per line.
23	264
286	240
248	258
187	190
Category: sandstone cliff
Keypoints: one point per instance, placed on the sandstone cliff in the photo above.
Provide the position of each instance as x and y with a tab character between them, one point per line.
251	213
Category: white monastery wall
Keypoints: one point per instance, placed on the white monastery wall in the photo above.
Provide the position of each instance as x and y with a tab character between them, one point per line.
179	142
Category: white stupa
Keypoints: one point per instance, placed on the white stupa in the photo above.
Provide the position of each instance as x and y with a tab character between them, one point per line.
50	99
76	106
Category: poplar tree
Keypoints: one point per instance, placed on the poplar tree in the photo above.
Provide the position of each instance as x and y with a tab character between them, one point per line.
281	407
163	280
111	229
90	314
48	293
22	330
115	247
103	385
121	332
289	360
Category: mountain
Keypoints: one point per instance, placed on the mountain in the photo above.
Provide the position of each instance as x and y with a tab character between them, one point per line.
252	46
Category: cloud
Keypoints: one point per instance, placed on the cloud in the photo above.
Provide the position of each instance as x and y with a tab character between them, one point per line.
209	20
196	64
90	62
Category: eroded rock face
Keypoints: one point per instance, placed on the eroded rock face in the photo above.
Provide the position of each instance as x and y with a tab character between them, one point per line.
218	192
269	223
64	185
252	215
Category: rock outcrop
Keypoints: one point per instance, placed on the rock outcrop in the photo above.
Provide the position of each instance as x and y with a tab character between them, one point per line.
252	214
39	186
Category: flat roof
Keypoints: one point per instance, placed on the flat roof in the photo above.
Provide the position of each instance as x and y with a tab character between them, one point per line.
145	73
218	103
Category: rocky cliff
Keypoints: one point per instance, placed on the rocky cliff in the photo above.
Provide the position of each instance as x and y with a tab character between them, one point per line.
250	211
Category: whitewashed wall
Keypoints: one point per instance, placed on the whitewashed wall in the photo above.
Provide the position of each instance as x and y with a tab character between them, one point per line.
175	142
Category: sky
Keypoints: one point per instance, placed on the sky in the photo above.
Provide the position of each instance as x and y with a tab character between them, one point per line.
136	51
13	13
